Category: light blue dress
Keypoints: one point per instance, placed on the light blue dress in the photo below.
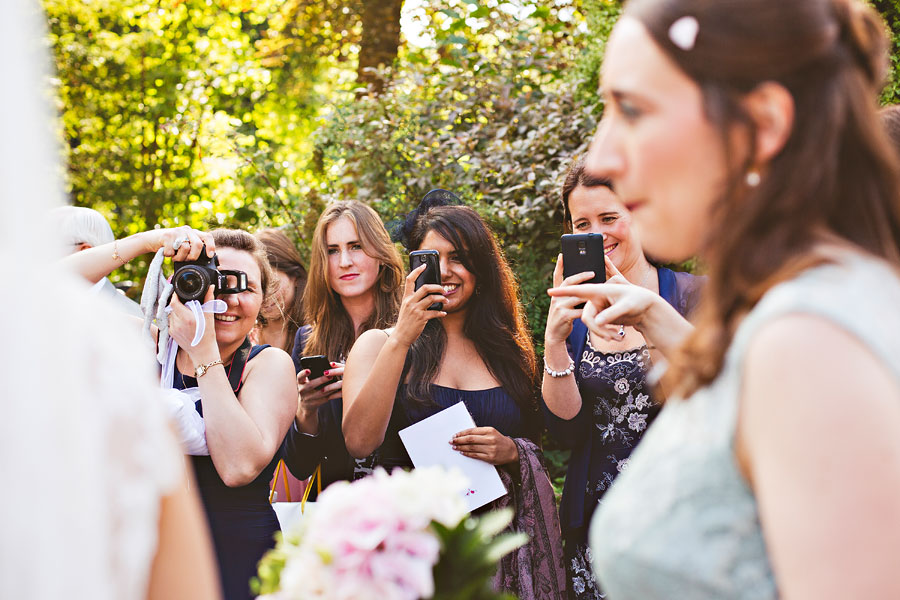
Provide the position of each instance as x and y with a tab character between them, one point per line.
680	521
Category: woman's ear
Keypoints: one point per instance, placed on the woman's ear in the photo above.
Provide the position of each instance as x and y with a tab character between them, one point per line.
771	107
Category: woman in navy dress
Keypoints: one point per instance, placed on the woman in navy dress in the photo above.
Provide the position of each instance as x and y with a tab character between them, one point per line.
597	401
476	349
248	394
248	398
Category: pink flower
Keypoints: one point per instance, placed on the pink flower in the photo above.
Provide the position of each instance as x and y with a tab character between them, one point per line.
373	539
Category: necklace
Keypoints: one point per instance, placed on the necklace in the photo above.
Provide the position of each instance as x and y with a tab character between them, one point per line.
650	271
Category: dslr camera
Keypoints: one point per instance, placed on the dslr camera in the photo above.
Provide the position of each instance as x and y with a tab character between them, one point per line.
193	278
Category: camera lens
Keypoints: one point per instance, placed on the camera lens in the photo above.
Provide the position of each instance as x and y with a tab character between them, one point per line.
190	283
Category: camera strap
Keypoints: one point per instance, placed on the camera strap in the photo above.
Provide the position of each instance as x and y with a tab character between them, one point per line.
238	363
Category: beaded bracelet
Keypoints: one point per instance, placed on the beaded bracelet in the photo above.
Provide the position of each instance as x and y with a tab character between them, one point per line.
557	374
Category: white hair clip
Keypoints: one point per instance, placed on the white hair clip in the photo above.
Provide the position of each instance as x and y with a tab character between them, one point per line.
683	32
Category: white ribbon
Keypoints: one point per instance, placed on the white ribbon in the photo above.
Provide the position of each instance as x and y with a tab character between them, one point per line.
167	376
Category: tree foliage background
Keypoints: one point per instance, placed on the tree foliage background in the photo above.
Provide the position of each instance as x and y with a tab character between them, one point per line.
254	114
257	113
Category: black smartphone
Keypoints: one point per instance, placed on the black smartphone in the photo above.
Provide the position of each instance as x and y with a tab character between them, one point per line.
583	252
317	366
432	272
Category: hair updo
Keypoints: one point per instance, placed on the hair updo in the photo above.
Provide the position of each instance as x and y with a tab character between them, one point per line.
835	173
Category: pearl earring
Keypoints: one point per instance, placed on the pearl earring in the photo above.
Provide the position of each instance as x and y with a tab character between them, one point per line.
753	178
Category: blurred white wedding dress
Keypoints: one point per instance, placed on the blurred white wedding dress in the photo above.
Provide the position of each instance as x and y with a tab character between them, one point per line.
85	452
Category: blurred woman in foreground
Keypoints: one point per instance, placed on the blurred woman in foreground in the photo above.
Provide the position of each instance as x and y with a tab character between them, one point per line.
118	520
746	131
597	400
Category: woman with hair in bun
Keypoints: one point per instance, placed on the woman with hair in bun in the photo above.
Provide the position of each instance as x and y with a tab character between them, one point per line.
282	316
746	131
355	284
597	400
476	349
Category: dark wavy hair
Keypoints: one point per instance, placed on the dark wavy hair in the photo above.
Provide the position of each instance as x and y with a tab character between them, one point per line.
495	320
835	173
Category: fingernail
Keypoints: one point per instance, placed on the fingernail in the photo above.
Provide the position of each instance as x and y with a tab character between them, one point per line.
333	364
326	372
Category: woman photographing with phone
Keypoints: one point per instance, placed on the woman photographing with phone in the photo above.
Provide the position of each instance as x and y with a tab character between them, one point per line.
747	132
475	349
597	401
354	284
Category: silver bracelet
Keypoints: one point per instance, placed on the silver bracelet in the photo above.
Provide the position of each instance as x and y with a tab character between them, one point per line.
557	374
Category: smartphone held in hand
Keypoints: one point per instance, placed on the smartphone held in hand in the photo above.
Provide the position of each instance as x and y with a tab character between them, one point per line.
584	252
317	366
432	272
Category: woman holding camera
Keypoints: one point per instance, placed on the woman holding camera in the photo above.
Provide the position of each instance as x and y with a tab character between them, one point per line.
475	349
354	285
247	392
747	132
597	401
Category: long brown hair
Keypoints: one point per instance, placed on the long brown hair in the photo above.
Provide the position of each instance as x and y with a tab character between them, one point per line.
495	321
835	174
332	329
283	256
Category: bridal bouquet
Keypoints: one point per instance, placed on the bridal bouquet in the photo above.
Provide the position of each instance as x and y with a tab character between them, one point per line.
403	536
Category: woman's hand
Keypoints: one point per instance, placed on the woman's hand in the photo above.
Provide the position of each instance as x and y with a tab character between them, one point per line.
619	302
563	309
181	243
487	444
313	393
182	328
414	313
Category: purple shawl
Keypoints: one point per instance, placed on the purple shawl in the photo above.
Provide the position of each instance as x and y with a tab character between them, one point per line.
535	571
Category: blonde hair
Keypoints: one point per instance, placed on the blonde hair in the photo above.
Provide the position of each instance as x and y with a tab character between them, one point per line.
332	329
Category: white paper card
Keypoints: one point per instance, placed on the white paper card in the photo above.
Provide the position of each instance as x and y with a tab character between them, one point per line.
428	444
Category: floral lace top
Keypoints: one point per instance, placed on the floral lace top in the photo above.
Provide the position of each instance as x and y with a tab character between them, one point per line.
614	385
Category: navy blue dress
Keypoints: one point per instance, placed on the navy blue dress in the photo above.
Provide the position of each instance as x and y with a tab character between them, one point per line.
241	520
302	453
489	408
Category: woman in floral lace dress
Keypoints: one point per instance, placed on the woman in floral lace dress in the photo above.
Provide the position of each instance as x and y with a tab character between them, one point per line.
597	400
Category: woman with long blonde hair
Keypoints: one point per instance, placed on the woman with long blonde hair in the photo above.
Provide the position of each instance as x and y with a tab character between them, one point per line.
355	284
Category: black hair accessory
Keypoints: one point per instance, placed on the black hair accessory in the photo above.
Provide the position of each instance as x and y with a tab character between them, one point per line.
402	228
